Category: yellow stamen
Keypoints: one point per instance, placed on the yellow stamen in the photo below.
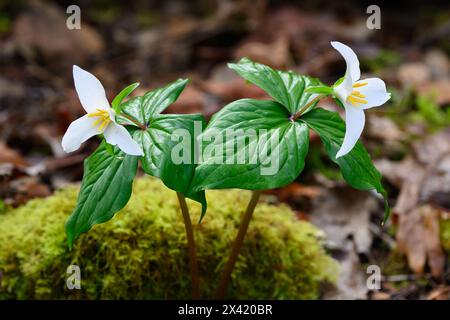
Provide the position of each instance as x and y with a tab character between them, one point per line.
103	118
361	84
358	94
95	114
97	122
354	100
104	123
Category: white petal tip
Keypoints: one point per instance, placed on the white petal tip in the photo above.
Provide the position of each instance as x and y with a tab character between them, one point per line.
335	44
66	149
341	154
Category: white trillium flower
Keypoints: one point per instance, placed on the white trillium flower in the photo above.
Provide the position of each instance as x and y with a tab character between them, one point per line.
100	117
356	95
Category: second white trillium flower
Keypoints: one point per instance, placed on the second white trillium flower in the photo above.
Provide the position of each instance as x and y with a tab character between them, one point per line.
100	117
356	95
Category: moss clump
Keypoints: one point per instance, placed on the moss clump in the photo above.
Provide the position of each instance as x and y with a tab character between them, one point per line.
445	235
141	253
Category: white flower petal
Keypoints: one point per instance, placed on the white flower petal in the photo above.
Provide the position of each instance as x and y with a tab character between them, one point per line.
354	120
344	89
116	134
375	92
78	132
350	59
90	91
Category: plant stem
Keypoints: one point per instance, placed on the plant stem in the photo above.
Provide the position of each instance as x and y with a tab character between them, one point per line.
299	113
143	127
191	246
223	285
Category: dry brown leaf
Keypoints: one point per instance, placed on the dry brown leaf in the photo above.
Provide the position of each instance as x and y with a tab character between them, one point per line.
342	213
296	190
8	155
227	85
275	53
43	26
435	254
439	293
27	188
380	295
384	129
418	224
413	74
438	62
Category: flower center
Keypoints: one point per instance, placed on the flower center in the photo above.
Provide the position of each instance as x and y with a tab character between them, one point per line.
103	118
356	98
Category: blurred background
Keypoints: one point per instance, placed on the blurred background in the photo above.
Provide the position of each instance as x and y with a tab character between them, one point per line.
153	42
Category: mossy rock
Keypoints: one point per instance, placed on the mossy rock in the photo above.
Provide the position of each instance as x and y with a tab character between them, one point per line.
141	253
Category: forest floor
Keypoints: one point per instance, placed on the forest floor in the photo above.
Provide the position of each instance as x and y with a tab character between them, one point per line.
408	138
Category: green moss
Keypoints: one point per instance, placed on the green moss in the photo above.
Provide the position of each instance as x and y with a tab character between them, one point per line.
2	206
445	235
395	264
141	253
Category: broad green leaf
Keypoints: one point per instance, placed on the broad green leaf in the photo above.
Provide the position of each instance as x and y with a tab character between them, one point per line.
106	188
142	109
356	167
122	95
157	135
109	148
169	151
237	162
285	87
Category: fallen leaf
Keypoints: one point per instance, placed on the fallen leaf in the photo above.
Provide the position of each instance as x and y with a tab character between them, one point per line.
413	73
438	62
420	177
275	53
296	190
439	293
8	155
351	282
226	85
42	26
342	213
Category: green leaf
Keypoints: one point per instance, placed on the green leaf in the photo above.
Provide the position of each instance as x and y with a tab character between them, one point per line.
160	149
156	137
356	167
142	109
285	87
109	148
106	188
245	168
320	90
122	95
